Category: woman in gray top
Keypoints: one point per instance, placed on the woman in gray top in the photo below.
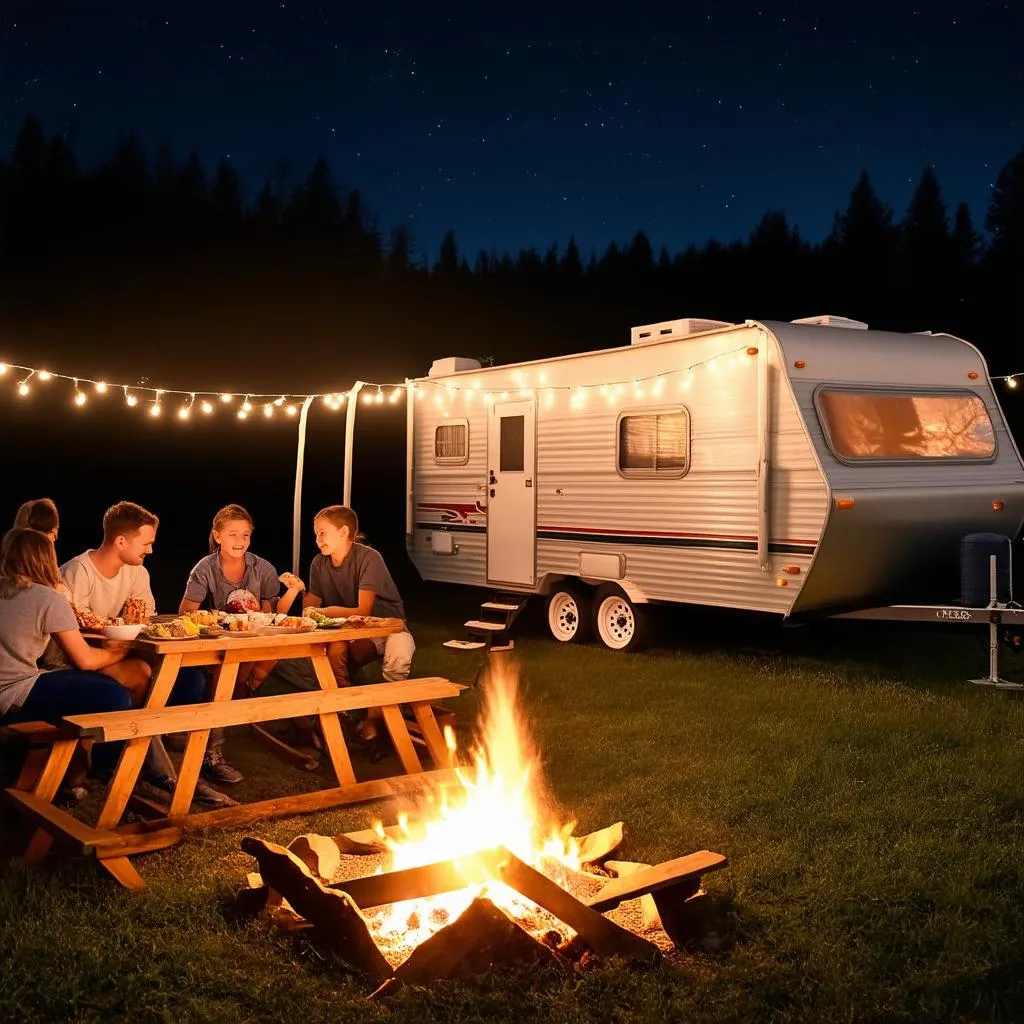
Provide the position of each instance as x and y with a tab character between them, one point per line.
31	612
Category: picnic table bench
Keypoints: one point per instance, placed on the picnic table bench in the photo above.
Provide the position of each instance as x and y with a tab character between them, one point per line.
113	843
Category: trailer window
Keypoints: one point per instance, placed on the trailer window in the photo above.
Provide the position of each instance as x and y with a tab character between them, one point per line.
905	425
451	442
655	444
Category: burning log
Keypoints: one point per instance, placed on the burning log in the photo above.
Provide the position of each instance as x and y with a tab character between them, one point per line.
684	872
605	937
479	938
335	915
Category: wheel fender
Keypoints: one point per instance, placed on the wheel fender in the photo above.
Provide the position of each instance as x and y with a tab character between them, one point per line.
628	587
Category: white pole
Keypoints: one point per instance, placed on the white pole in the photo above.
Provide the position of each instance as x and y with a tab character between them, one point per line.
410	402
350	431
300	456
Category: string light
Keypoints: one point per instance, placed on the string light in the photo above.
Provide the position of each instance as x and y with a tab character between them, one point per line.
206	407
246	406
3	369
23	389
129	398
79	396
380	395
101	387
227	399
268	410
44	375
183	412
291	410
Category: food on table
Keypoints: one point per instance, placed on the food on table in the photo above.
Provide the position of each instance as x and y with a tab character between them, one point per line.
240	601
134	611
176	629
318	617
203	617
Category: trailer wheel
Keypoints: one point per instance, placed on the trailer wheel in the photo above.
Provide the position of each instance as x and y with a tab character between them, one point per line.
618	623
569	615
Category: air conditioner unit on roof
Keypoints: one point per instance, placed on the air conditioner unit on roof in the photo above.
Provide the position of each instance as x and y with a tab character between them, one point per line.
669	329
827	320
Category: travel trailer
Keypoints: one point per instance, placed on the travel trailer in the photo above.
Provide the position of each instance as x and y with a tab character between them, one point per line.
805	468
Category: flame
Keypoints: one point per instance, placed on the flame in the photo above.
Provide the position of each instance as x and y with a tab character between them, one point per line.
499	800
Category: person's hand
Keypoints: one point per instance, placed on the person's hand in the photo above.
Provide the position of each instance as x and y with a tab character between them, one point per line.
120	648
291	582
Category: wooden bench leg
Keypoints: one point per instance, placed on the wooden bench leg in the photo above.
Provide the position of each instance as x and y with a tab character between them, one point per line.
333	737
432	737
50	778
195	747
399	731
123	871
134	754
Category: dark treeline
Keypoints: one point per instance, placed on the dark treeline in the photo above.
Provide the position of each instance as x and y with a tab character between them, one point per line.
149	247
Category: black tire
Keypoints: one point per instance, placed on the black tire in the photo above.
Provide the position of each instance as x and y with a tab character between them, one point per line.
619	624
568	614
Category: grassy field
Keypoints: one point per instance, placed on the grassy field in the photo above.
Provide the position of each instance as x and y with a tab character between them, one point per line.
871	802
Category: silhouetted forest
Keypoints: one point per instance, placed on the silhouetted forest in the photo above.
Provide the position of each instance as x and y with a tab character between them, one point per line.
149	249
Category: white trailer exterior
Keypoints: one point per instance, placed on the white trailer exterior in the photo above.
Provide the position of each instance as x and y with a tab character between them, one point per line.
788	468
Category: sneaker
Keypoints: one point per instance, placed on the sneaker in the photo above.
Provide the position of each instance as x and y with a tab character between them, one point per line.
218	770
205	794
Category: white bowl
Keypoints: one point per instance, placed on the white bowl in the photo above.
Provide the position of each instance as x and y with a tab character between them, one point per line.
122	632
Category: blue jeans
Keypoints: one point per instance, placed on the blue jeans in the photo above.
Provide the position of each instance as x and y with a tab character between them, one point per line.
74	692
189	687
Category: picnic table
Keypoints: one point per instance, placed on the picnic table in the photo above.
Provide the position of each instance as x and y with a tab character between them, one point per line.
112	843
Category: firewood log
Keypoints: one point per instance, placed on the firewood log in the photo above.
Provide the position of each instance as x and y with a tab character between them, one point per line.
319	853
335	915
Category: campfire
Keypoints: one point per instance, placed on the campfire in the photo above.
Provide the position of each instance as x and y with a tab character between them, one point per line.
478	871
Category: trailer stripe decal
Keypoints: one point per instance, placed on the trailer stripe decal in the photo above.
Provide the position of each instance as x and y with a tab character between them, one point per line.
678	540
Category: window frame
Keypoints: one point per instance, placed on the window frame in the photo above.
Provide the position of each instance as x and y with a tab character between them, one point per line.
903	460
652	474
451	460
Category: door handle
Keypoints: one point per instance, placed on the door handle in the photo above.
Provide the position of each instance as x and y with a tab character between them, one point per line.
492	492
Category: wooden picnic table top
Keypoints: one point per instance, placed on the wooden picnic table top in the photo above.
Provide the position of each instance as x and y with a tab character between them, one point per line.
241	641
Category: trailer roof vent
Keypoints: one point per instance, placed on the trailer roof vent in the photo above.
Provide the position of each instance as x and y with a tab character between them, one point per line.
828	320
671	329
453	364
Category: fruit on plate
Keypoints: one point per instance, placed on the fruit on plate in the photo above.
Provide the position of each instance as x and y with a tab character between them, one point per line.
203	617
176	629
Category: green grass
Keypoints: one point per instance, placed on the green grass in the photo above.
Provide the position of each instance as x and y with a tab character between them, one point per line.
871	802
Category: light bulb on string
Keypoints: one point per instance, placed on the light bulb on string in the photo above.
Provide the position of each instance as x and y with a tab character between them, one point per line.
268	410
207	407
154	409
44	375
130	400
246	405
3	369
367	399
23	389
243	413
227	399
101	387
379	396
291	410
395	394
1011	382
279	401
329	399
183	412
79	396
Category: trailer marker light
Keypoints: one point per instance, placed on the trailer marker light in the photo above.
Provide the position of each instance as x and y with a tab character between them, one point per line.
752	351
972	374
781	582
793	570
844	503
799	364
997	505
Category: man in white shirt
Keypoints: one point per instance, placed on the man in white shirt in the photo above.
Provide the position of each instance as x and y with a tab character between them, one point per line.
102	580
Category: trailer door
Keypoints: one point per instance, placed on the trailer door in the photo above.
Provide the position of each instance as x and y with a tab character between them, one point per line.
511	494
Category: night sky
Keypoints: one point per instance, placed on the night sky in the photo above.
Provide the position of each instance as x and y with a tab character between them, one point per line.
519	125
